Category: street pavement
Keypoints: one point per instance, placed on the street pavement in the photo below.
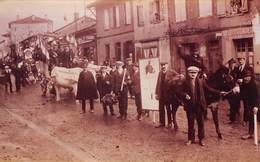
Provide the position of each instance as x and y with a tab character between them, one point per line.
36	128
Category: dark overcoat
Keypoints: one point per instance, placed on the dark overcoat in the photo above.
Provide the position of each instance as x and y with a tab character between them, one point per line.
164	91
87	88
200	101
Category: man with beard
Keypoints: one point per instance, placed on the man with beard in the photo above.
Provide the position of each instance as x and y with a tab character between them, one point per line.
193	94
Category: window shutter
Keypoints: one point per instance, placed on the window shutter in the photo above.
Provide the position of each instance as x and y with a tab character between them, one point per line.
117	18
111	17
221	7
151	11
244	5
106	19
163	8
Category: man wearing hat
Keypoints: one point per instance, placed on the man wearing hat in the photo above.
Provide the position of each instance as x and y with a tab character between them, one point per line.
240	73
192	59
162	94
129	67
120	88
250	97
136	83
87	89
233	98
104	85
193	94
242	67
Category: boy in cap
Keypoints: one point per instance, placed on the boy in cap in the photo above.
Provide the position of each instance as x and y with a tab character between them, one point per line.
120	88
193	94
104	86
250	96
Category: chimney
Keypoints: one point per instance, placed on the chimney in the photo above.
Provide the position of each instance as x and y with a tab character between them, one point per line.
17	17
76	16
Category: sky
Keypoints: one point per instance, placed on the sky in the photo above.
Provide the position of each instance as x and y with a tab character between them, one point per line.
55	10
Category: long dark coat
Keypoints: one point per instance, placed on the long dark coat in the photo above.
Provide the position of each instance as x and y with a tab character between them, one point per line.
87	88
163	91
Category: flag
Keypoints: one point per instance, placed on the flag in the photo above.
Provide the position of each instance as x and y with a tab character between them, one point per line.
44	50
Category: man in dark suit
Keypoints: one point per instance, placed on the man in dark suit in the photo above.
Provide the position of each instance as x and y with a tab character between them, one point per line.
162	94
240	72
193	94
104	85
120	88
136	83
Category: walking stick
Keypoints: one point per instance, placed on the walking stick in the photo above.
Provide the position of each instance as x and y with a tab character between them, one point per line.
255	129
122	84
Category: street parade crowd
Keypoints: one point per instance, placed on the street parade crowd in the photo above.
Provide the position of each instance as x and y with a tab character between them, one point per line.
114	82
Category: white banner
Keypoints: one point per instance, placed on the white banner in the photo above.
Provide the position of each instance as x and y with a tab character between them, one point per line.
149	71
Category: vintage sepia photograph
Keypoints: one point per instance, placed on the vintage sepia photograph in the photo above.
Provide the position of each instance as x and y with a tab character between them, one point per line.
129	80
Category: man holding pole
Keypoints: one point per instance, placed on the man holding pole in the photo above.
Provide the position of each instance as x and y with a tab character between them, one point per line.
250	96
121	80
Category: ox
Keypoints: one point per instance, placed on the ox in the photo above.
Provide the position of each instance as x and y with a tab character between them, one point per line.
65	78
62	77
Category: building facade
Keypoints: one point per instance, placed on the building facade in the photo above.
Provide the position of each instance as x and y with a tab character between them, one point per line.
83	31
151	29
32	25
86	40
220	29
115	30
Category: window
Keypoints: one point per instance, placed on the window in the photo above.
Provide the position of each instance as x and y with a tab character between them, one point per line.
107	49
118	51
129	50
180	10
117	19
231	7
205	8
156	11
140	16
128	15
106	19
245	45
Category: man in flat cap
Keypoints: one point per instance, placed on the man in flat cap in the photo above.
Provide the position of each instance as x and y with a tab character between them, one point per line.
193	95
250	96
120	88
240	72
